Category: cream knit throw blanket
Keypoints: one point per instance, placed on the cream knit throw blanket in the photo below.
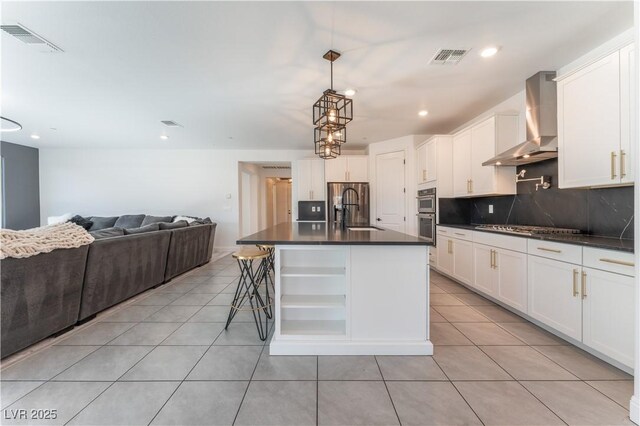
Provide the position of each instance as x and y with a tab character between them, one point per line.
42	240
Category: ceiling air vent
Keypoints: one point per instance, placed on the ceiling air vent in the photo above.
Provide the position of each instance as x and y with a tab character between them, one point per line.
27	36
448	56
170	123
276	167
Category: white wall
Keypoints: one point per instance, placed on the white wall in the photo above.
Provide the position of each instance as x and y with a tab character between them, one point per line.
158	182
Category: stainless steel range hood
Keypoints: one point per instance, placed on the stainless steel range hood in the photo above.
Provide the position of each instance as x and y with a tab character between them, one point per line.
542	124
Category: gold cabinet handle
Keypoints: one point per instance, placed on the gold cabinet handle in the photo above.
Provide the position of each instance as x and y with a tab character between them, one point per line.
551	250
495	259
471	186
618	262
613	165
623	172
575	282
458	233
584	284
491	259
449	246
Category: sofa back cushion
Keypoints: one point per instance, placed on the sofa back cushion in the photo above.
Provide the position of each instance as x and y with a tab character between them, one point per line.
156	219
174	225
100	222
107	233
141	230
128	221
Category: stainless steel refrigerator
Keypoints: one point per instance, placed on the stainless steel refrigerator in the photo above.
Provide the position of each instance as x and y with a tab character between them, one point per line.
350	199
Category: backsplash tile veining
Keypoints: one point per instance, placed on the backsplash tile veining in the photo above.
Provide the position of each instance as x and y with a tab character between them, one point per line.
603	211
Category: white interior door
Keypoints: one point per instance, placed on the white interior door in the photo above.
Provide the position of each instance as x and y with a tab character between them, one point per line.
283	201
390	195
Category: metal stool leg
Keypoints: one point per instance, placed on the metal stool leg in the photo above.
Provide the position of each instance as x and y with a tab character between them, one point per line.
248	289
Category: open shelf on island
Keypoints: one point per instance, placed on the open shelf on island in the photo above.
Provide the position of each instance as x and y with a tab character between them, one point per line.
312	301
313	327
311	271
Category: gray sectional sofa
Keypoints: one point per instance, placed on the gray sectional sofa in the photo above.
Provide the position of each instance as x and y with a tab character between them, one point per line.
47	293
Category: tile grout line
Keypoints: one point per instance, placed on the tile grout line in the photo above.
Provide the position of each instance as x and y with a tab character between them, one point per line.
457	390
375	357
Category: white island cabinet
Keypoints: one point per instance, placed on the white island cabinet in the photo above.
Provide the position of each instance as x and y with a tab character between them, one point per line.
342	292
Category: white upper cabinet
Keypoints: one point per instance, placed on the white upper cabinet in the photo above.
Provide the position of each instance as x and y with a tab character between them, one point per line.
347	168
461	167
310	180
433	164
477	144
595	123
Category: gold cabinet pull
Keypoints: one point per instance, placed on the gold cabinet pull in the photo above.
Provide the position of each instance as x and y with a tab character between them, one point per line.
551	250
618	262
584	284
458	233
575	282
623	172
491	259
495	259
613	165
471	186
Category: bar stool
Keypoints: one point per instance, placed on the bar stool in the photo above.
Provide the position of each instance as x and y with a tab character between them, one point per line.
265	273
248	289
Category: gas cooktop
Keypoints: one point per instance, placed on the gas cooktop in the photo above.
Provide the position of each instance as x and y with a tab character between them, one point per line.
527	230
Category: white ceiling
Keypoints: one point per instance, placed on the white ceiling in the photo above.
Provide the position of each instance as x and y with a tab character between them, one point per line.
245	74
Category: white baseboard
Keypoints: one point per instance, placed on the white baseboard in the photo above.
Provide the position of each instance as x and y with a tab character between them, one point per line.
340	347
634	409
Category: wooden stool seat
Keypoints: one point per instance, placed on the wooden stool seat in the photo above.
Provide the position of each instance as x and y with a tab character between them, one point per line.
248	253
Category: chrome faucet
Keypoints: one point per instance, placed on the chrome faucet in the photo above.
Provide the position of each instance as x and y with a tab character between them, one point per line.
345	208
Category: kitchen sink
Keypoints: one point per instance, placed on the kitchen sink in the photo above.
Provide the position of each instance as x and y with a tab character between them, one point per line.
364	228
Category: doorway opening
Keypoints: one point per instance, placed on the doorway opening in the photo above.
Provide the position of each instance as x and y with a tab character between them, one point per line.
264	195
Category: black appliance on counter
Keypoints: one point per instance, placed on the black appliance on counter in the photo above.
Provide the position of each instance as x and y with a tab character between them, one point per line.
427	214
311	211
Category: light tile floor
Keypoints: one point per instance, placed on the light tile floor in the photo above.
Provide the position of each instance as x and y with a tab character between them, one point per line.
165	359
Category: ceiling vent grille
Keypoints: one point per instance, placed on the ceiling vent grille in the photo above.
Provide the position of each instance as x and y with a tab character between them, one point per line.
27	36
448	56
170	123
277	167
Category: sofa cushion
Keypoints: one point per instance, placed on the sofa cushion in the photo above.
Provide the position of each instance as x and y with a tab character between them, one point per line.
107	233
156	219
82	221
128	221
100	222
204	221
174	225
141	230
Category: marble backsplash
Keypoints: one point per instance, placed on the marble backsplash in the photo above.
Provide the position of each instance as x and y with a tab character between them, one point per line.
603	211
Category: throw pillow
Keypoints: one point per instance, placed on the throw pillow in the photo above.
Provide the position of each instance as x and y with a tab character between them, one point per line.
147	228
79	220
156	219
189	219
107	233
129	221
53	220
204	221
102	222
174	225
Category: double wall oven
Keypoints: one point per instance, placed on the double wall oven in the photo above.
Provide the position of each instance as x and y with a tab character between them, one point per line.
427	214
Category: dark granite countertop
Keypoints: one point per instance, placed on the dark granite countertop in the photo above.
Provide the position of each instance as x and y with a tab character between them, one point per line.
577	239
308	233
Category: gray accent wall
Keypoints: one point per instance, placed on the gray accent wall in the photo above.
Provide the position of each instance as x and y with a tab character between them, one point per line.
21	186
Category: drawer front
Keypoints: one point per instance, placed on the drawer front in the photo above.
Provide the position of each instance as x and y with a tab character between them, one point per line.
609	260
506	242
557	251
461	234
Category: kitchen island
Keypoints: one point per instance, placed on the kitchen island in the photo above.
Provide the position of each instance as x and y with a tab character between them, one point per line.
354	291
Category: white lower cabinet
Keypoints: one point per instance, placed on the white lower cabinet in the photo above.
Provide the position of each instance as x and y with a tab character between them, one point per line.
501	274
444	258
554	294
485	276
608	314
463	260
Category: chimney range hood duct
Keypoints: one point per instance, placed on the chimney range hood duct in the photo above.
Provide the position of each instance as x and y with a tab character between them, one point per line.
542	124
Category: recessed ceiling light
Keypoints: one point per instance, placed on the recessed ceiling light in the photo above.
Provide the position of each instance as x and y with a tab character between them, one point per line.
423	113
164	137
498	163
34	136
350	92
489	52
526	156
